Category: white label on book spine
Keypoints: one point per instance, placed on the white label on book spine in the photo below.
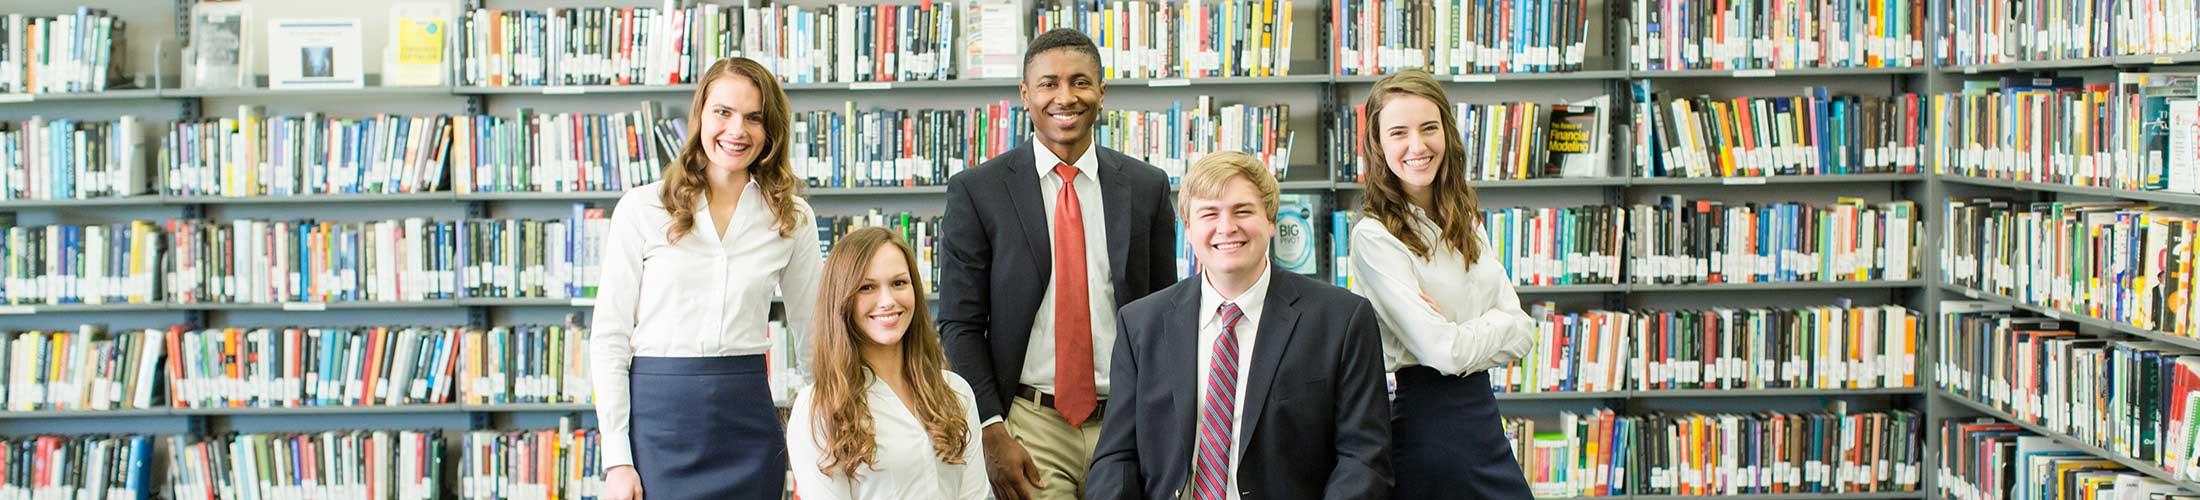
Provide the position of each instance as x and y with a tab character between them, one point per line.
584	302
1743	181
1170	82
12	310
1754	73
871	86
564	90
15	98
1475	78
304	306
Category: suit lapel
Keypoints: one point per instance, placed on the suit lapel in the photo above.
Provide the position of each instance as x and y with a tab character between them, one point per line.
1279	321
1024	190
1115	199
1179	357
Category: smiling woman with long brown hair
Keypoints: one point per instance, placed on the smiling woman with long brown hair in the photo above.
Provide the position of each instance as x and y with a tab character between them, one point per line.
689	271
886	419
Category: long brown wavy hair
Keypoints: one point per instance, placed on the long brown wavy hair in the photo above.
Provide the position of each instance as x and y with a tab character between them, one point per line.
684	178
1456	207
841	412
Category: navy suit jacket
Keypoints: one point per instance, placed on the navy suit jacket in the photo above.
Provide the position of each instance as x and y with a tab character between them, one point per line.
996	258
1316	422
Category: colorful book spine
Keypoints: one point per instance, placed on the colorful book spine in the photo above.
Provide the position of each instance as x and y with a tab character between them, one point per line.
549	463
1982	459
532	258
1979	32
316	367
1814	134
1718	35
524	364
1559	246
651	46
1458	37
43	159
98	466
920	232
1679	241
1810	348
273	261
900	147
372	465
89	369
1828	453
1155	39
533	151
252	154
74	52
2122	262
1174	138
88	264
2135	134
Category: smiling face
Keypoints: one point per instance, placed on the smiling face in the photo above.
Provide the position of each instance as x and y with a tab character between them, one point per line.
885	298
1412	135
732	124
1229	232
1062	91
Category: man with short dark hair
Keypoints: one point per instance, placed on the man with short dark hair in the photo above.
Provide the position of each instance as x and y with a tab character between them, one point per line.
1039	246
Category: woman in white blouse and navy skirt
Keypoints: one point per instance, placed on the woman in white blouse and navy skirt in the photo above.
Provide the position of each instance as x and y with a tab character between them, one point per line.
689	271
1447	309
886	419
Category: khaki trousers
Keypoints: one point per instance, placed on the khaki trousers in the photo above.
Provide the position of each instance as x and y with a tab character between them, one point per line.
1063	453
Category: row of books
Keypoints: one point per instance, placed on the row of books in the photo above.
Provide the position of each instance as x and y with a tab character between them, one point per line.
88	369
1824	347
1508	141
43	159
920	232
524	364
2136	134
1813	134
252	154
2122	262
95	466
2132	398
74	52
526	258
297	367
1831	452
650	46
1985	459
1158	39
374	465
91	264
1456	37
1681	241
1172	139
1685	34
549	463
1995	32
879	147
563	152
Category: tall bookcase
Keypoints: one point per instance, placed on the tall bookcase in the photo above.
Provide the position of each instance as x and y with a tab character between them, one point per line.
1312	92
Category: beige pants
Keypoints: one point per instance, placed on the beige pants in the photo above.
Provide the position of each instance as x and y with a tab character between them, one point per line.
1063	453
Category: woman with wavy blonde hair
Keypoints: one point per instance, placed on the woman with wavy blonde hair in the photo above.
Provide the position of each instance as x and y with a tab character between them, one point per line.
1448	311
886	419
689	271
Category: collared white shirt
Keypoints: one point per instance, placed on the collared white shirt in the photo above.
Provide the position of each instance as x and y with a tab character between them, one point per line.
1210	328
700	297
907	467
1100	285
1480	325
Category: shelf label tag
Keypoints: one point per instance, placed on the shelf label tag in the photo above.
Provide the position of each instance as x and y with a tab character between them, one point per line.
304	306
1754	73
584	302
1970	70
1970	293
1170	82
871	86
1743	181
18	309
1475	78
2164	60
16	98
564	90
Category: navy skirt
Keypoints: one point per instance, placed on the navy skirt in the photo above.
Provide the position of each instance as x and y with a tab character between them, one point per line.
1448	442
705	428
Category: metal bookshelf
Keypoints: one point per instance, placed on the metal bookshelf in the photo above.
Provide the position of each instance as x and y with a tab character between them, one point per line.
304	411
1776	73
63	414
2104	192
2066	440
1706	393
2127	61
2050	313
1775	286
105	95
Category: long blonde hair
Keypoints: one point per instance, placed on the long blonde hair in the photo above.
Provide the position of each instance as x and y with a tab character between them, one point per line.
685	179
1454	202
840	410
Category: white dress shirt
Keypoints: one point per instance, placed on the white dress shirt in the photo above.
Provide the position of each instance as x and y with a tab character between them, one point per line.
1100	285
700	297
907	466
1210	328
1480	325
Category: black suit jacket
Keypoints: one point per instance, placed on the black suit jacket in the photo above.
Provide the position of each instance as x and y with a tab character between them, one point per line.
1316	422
996	258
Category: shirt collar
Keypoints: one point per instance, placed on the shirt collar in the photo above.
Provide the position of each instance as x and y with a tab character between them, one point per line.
1087	162
1249	303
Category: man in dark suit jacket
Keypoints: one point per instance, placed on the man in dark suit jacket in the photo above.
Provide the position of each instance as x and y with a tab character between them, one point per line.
1034	260
1300	413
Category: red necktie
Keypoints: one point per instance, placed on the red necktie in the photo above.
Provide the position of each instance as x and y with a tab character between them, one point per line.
1217	416
1074	393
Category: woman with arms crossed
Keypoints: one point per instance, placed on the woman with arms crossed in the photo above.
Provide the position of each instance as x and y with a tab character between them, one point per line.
1447	309
886	419
689	272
